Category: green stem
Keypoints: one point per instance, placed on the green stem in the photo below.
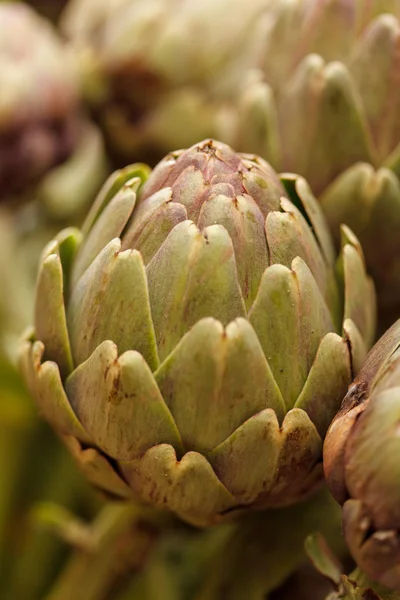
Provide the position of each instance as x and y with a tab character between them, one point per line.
18	424
37	553
178	565
121	538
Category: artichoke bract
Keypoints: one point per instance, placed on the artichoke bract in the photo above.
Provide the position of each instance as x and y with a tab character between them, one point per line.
362	466
194	341
42	129
368	201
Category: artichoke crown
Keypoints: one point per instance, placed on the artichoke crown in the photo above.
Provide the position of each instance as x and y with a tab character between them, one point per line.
199	333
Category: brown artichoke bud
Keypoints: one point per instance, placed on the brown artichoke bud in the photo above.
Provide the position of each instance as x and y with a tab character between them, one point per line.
362	462
41	125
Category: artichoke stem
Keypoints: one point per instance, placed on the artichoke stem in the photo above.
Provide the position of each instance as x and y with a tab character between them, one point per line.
27	577
122	538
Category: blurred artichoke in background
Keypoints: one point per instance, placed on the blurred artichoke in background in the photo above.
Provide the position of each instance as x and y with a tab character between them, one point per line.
51	9
194	341
327	105
368	201
43	135
362	466
158	72
329	68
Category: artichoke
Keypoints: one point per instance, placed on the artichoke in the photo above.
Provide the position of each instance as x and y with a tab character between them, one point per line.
159	72
327	105
361	460
43	133
328	70
193	342
163	71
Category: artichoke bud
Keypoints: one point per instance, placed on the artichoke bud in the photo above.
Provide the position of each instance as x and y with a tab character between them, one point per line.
159	72
361	462
338	103
194	341
374	64
41	125
38	99
326	94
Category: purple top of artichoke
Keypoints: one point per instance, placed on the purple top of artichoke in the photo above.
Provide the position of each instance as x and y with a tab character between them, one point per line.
38	100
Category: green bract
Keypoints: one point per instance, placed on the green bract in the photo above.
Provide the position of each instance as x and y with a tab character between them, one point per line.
368	201
193	342
361	461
